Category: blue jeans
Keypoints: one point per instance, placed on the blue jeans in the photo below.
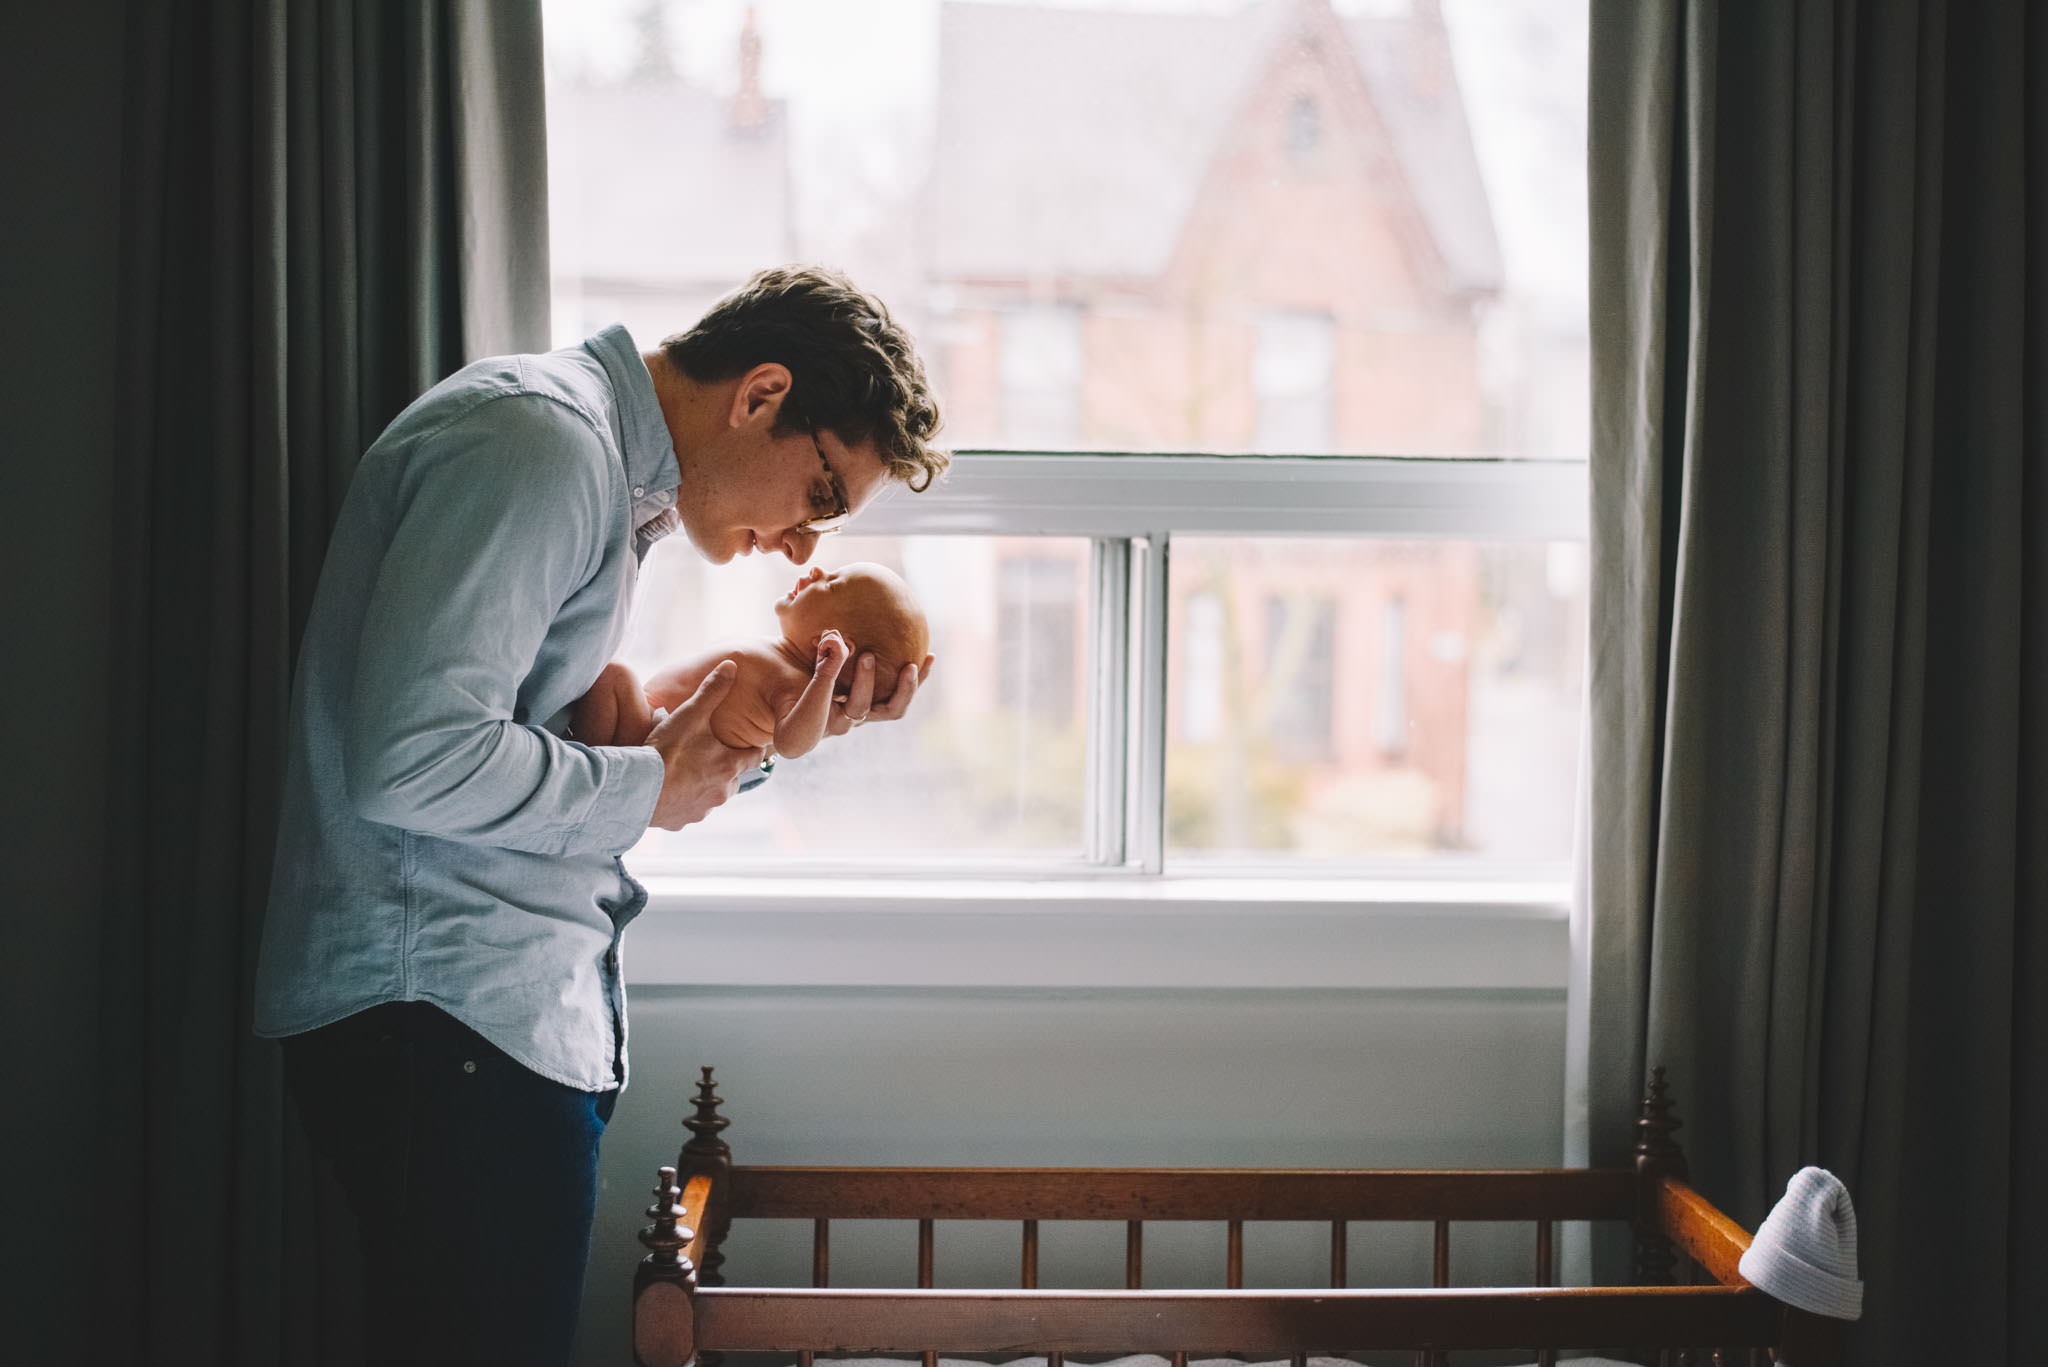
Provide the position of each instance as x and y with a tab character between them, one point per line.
472	1179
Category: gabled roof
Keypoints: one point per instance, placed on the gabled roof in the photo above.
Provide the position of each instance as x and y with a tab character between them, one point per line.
1073	142
624	215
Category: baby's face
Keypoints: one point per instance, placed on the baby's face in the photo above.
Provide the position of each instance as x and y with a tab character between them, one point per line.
815	604
864	603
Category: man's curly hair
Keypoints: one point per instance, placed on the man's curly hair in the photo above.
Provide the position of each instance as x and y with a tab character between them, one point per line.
853	371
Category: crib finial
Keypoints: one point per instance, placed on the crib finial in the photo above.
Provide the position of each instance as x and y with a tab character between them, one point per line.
1657	1156
1654	1145
704	1143
668	1237
707	1155
665	1284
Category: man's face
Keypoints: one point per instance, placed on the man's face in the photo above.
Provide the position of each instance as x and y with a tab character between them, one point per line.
756	491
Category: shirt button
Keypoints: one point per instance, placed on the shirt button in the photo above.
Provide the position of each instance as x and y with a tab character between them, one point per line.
639	491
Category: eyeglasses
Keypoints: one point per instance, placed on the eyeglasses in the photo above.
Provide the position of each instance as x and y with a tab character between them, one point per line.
841	513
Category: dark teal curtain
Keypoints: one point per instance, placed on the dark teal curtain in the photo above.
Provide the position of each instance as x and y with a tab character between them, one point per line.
1819	853
326	206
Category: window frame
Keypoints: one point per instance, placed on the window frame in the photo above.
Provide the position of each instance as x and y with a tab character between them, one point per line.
1496	927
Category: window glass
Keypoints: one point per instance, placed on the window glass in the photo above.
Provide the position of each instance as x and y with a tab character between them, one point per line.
990	761
1356	699
1114	225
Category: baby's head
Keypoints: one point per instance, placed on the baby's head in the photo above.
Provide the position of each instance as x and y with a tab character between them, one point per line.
870	606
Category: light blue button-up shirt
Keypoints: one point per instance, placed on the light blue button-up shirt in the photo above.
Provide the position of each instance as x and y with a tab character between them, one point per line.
440	841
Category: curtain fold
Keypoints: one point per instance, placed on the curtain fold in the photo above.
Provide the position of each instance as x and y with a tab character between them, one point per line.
1818	869
326	208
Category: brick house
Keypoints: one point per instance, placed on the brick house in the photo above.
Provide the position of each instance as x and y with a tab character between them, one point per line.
1261	230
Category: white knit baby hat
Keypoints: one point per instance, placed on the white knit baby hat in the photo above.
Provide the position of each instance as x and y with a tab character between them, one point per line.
1804	1253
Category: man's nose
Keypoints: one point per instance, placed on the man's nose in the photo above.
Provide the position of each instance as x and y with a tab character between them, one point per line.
799	545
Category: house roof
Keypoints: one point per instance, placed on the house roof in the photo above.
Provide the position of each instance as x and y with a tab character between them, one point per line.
620	215
1073	142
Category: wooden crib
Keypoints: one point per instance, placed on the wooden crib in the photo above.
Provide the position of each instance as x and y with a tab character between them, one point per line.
682	1307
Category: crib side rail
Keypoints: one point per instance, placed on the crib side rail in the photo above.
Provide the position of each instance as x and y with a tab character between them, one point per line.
1264	1323
1692	1222
1213	1194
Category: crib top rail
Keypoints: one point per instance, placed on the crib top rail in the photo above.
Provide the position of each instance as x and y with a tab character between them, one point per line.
892	1193
1249	1322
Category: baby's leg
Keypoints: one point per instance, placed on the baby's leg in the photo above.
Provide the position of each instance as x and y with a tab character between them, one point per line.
614	711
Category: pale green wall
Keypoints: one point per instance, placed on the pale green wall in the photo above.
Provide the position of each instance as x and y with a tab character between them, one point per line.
1093	1078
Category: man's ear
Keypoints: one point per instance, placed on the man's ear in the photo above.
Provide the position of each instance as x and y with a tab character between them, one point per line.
759	394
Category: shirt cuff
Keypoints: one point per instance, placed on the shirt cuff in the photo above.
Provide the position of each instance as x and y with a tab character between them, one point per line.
625	802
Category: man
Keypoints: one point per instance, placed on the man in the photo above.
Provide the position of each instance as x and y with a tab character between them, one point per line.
441	955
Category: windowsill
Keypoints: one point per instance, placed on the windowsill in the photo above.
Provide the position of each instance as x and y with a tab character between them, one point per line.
1103	932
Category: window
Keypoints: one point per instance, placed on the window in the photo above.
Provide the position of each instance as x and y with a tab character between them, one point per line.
1390	712
1304	129
1292	373
1197	282
1041	374
1300	666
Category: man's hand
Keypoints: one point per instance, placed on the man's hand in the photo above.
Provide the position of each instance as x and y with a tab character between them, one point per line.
699	770
859	704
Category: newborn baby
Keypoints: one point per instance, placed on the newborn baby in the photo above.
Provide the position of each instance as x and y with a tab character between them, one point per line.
782	696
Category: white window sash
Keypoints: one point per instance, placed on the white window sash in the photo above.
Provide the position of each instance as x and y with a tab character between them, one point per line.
1004	493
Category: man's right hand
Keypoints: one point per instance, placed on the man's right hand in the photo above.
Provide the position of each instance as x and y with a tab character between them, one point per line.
699	770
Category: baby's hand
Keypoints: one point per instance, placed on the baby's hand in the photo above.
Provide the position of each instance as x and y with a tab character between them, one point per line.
832	653
804	727
613	712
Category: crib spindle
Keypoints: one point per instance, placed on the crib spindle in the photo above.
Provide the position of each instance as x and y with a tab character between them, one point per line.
1030	1255
925	1230
1234	1263
1440	1264
1340	1251
821	1253
1546	1275
1180	1359
1134	1255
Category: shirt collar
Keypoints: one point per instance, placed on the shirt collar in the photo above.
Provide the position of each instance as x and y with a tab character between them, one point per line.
651	466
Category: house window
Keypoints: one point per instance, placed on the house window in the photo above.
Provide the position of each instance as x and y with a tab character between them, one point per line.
1038	612
1304	128
1293	370
1040	365
1203	652
1300	665
1390	710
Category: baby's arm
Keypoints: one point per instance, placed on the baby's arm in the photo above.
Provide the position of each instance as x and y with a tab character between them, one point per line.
804	726
613	712
674	686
